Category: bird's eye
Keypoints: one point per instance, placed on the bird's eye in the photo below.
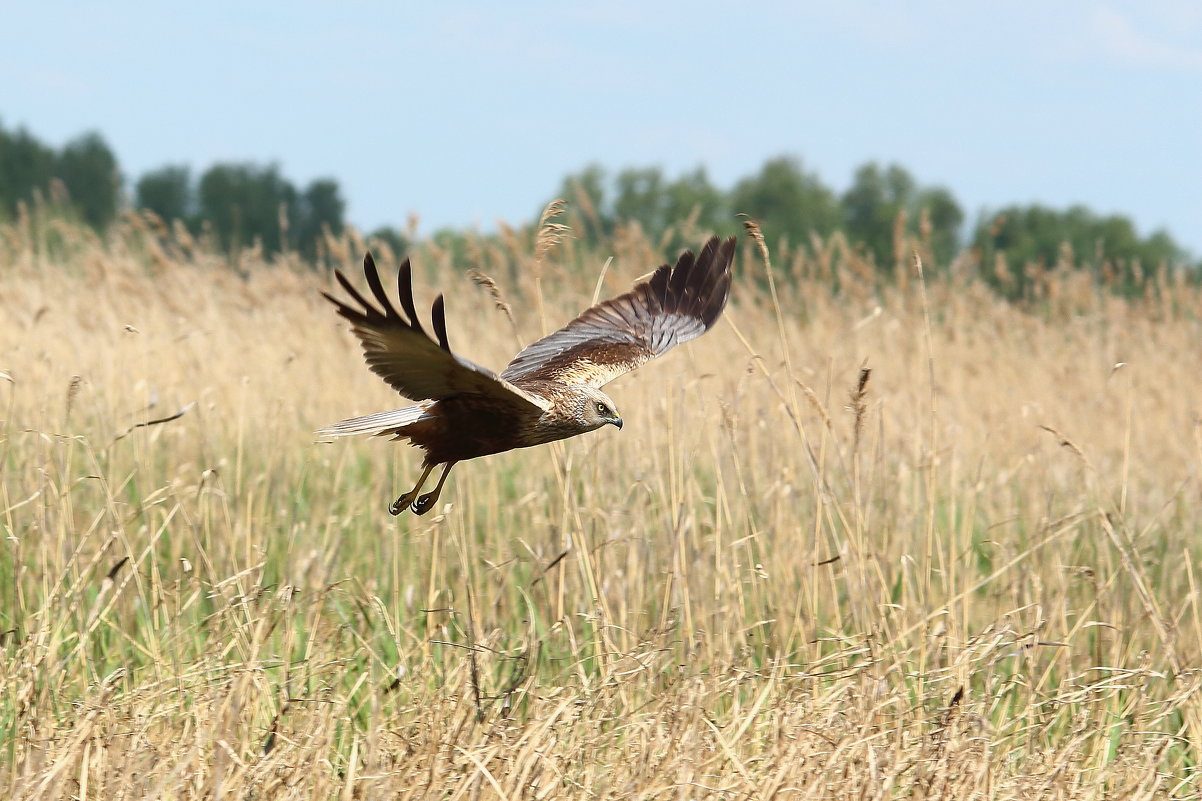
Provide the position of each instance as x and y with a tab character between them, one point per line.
601	409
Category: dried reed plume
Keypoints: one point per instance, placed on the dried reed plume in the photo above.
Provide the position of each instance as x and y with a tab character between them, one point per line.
732	598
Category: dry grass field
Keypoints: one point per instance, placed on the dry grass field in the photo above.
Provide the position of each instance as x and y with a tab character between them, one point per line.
972	576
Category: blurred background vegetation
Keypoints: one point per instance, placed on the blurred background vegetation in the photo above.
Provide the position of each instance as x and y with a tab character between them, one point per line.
883	211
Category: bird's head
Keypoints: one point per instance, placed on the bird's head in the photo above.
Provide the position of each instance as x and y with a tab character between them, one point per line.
596	409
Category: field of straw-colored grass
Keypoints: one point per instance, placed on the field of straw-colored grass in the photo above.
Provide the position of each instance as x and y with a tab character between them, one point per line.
972	576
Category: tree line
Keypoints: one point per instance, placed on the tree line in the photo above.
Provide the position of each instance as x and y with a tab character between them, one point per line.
240	204
782	196
882	202
243	204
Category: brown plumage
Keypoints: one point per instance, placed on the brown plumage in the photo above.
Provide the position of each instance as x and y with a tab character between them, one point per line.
550	391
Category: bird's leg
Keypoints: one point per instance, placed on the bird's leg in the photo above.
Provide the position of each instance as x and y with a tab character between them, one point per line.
423	504
402	503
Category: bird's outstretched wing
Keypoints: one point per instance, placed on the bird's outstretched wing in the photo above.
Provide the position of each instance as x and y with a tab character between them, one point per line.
676	304
398	349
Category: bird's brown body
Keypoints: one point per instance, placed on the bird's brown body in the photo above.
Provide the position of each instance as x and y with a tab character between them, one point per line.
469	426
550	391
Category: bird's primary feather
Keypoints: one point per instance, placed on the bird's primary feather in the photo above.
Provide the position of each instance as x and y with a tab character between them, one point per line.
398	349
616	336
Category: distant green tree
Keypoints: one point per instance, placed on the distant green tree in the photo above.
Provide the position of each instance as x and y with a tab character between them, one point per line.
396	241
878	195
693	192
86	166
168	192
1162	248
243	202
321	206
585	194
453	241
947	218
645	196
872	203
640	196
25	165
786	200
1036	234
89	170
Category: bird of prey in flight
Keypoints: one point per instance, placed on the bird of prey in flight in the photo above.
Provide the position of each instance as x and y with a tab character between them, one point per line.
550	391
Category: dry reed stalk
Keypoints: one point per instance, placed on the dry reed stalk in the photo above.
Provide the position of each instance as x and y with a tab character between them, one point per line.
722	600
547	235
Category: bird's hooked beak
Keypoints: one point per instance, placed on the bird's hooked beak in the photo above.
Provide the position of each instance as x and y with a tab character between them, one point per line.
617	423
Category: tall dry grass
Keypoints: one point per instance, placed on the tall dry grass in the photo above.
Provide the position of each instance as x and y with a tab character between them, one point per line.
896	540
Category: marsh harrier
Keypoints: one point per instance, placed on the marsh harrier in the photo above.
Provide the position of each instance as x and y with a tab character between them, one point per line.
549	391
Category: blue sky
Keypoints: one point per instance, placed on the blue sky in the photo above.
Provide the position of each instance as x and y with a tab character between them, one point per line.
467	112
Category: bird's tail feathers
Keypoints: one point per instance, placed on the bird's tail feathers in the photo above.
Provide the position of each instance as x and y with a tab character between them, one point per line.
376	424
